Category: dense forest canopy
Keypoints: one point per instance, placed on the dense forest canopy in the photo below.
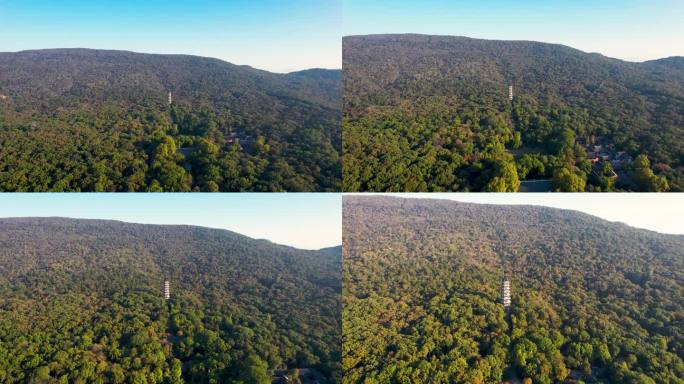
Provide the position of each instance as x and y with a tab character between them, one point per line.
82	301
432	113
95	120
592	301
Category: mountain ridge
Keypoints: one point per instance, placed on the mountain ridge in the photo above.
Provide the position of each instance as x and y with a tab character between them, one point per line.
90	53
463	37
388	200
85	49
77	220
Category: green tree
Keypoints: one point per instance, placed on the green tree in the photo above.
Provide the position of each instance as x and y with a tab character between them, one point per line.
255	371
505	179
644	177
566	180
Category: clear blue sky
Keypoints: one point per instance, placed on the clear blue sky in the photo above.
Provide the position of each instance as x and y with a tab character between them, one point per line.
303	220
276	35
660	212
632	30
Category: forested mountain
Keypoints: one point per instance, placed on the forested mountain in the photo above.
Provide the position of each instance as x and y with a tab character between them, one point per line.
676	62
432	113
82	301
592	301
95	120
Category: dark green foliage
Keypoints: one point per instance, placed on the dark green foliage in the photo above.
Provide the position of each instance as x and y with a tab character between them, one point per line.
91	120
591	300
82	301
428	113
645	178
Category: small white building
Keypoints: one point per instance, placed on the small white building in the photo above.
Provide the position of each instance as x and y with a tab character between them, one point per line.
506	294
167	290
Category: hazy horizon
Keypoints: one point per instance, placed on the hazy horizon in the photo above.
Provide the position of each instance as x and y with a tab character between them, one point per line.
621	29
514	40
165	54
268	34
303	220
658	212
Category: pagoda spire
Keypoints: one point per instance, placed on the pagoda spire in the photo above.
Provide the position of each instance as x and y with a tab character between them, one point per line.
506	294
167	290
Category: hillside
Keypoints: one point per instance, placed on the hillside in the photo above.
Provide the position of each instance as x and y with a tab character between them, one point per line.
433	113
591	300
90	120
82	301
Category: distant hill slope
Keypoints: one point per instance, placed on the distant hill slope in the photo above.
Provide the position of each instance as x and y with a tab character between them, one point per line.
89	75
591	300
676	62
451	93
83	300
336	250
119	100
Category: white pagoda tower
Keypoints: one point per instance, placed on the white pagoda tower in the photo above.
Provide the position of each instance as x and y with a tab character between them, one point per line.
510	92
167	290
170	98
506	294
